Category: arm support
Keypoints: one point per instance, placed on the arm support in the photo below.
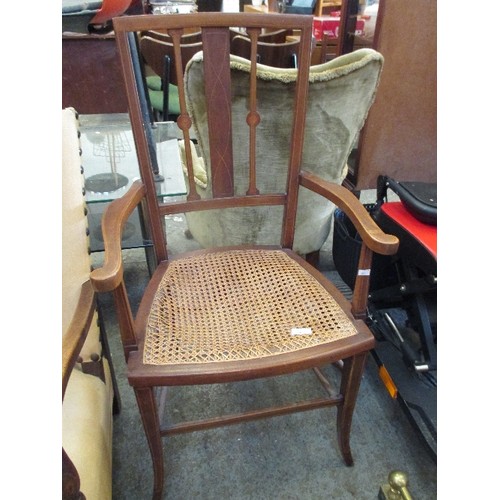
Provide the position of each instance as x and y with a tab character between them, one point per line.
109	276
76	334
374	238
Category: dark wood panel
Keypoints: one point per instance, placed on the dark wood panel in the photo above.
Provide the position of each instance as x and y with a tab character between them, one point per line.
92	82
400	136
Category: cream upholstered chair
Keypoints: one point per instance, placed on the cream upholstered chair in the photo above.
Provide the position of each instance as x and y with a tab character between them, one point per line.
89	394
341	92
237	313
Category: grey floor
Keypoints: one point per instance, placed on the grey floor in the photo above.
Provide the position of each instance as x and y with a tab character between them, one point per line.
288	457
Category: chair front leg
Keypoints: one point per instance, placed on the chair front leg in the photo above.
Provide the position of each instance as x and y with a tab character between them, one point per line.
352	373
149	414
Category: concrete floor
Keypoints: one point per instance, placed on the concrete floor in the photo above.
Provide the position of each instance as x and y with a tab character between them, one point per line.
288	457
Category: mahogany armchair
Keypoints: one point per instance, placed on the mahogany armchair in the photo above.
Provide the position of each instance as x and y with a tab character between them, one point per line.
227	314
89	391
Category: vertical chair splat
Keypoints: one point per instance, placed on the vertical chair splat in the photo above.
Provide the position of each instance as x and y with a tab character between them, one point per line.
218	93
253	117
184	121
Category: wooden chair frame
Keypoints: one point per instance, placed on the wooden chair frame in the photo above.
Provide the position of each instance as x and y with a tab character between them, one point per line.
348	353
158	52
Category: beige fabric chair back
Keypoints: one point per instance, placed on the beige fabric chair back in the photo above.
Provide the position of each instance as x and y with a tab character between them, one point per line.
341	92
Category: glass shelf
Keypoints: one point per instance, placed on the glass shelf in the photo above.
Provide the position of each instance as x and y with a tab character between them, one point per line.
110	165
110	162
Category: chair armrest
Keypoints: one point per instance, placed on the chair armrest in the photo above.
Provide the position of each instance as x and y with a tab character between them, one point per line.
374	238
109	276
73	340
76	334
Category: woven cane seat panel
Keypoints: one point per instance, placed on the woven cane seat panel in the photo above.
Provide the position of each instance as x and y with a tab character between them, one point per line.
239	305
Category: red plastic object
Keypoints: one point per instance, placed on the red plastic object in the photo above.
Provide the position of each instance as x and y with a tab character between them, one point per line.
110	9
424	233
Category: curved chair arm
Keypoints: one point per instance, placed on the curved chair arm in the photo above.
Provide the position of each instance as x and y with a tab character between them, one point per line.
77	331
374	238
109	276
73	340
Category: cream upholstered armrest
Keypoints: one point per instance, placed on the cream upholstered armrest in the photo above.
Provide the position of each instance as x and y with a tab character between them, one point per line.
87	432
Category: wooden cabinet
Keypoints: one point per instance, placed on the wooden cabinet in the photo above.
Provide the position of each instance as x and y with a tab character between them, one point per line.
92	81
399	138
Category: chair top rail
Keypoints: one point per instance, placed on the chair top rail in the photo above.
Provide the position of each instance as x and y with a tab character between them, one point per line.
211	19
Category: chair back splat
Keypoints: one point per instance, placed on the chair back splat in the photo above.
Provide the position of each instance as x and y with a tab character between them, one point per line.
251	311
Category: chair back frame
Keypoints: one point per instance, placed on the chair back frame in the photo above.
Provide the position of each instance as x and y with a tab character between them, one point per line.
187	38
215	40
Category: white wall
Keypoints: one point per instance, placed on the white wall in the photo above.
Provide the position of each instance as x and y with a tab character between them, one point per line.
231	6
